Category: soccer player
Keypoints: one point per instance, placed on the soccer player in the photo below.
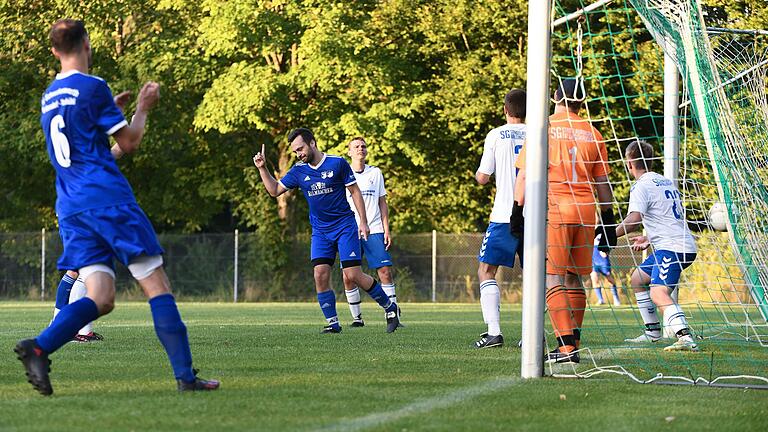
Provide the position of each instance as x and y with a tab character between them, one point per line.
324	178
99	219
71	289
601	266
502	145
654	203
577	169
375	248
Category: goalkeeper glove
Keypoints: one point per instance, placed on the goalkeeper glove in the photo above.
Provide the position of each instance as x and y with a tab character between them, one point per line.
608	231
517	220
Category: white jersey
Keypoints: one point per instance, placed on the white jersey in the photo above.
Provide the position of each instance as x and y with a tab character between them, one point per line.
658	200
502	145
371	184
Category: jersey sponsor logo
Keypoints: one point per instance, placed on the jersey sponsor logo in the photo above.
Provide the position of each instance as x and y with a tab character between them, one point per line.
326	174
662	182
319	188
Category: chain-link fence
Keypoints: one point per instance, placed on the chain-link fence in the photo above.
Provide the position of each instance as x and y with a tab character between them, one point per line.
234	266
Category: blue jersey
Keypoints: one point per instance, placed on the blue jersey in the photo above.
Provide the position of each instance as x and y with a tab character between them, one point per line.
78	115
324	186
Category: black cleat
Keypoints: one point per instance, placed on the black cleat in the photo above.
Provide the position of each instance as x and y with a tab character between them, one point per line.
487	341
198	384
331	329
399	323
37	365
393	321
358	321
556	356
90	337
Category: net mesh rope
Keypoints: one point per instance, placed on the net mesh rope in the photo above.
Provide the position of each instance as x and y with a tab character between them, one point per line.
617	50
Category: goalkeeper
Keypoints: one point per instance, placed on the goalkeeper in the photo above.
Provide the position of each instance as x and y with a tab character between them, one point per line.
577	168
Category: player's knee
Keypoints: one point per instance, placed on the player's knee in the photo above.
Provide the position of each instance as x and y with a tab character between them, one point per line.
385	274
486	272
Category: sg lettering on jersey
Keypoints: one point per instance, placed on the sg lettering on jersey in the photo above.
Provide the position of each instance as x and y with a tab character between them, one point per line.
570	134
512	134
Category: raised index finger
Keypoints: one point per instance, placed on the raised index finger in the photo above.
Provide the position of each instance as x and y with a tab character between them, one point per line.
262	149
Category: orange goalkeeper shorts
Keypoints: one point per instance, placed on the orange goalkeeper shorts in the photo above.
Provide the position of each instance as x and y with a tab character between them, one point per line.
569	249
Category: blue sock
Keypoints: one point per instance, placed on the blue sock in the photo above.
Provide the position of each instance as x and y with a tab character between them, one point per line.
71	319
599	293
62	292
378	294
173	335
327	300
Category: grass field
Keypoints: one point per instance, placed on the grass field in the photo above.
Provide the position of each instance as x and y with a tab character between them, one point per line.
278	373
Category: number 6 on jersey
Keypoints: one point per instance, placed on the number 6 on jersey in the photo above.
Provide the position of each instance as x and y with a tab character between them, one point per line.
60	142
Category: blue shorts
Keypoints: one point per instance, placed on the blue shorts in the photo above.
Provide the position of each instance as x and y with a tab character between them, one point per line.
601	264
98	236
500	246
665	267
375	251
602	269
343	239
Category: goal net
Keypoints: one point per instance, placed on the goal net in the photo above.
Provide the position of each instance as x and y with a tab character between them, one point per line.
618	49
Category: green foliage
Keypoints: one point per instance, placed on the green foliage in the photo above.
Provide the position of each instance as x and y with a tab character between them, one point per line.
422	80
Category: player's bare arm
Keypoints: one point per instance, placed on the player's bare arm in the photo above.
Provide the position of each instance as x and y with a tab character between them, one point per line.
384	210
129	138
520	188
357	198
274	188
631	223
604	192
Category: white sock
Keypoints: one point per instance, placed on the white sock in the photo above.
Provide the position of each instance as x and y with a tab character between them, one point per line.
648	312
674	318
490	304
78	292
389	289
87	329
55	312
353	300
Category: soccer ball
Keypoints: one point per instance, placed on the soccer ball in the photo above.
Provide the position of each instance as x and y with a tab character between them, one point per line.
718	218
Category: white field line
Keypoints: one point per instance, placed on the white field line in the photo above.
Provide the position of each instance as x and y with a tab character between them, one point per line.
421	406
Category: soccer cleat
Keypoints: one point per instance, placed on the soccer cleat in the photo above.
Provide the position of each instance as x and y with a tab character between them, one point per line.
37	365
644	338
487	341
393	321
90	337
331	329
358	321
198	384
683	345
556	356
399	323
